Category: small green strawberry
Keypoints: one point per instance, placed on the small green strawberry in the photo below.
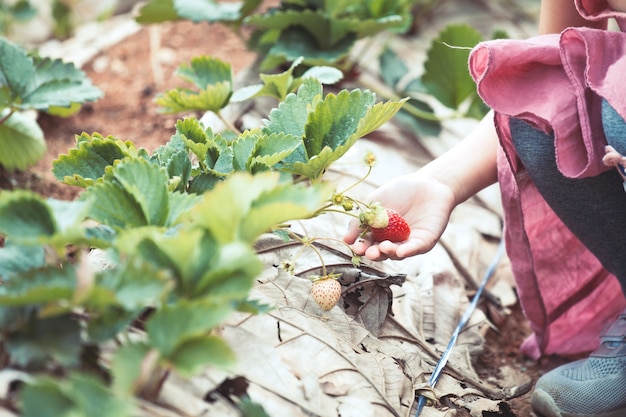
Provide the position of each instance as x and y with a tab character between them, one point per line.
326	291
397	229
374	216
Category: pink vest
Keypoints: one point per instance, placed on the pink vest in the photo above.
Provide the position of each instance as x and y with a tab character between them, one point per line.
556	83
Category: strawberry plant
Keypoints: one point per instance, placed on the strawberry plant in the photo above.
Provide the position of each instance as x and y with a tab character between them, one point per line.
179	265
323	33
33	83
176	229
303	136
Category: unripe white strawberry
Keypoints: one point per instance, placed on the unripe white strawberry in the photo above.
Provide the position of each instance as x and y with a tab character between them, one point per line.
326	291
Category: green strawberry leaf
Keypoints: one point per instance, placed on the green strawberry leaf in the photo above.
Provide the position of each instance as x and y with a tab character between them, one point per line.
43	339
134	193
108	322
243	149
196	353
134	284
76	395
336	124
16	258
58	84
187	255
64	111
145	182
29	220
200	141
446	75
211	76
39	83
22	141
191	129
212	98
335	119
44	398
40	286
16	71
291	115
93	398
172	325
87	163
324	74
204	71
271	150
179	204
208	10
232	272
279	85
173	156
24	215
203	182
325	30
392	68
157	11
126	367
243	206
296	42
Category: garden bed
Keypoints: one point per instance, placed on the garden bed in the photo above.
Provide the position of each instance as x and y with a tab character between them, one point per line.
127	74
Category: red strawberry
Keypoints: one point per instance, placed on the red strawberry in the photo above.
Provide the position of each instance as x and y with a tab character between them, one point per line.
326	291
397	229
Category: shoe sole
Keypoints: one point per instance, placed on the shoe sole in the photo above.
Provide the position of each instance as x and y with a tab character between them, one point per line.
544	405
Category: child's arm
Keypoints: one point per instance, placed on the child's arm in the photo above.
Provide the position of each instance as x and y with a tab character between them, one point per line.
556	15
426	198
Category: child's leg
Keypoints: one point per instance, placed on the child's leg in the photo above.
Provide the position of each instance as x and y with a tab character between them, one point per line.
594	208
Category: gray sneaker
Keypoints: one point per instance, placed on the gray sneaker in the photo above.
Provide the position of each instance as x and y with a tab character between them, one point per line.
592	387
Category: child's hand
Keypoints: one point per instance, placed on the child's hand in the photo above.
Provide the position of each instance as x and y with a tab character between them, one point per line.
424	203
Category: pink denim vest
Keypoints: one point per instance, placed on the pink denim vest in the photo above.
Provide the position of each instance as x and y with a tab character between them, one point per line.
556	83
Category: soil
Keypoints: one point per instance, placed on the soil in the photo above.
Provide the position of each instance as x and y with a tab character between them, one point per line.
127	111
128	82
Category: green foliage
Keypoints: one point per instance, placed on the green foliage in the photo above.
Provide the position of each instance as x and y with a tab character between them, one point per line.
211	76
446	74
194	275
77	395
21	140
212	79
27	83
156	11
303	136
87	162
446	79
321	32
177	229
280	85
